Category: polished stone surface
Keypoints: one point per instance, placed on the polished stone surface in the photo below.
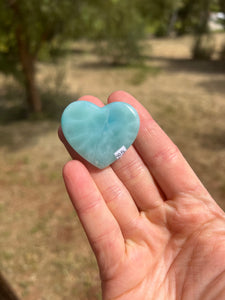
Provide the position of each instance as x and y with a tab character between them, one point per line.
100	134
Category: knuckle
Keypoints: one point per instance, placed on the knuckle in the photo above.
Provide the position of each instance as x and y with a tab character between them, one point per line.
113	192
103	237
166	155
88	204
132	170
149	128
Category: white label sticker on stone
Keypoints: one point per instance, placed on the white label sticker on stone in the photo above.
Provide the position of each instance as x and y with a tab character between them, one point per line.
120	152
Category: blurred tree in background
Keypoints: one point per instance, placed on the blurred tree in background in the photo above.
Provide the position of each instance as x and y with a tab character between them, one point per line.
193	17
27	27
117	27
159	16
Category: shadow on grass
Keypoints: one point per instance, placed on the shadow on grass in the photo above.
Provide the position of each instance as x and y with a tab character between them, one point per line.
13	106
62	52
214	86
19	135
140	71
17	127
190	65
214	140
54	101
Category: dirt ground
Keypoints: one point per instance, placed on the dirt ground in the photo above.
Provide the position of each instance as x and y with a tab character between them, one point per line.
43	250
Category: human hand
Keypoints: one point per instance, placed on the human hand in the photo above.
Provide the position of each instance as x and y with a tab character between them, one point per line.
155	230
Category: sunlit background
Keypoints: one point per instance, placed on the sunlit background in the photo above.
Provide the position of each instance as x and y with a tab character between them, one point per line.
169	54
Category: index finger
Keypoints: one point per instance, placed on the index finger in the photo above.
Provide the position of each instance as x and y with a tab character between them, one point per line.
165	162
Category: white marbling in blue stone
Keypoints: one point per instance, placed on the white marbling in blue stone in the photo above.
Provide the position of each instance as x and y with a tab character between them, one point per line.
100	134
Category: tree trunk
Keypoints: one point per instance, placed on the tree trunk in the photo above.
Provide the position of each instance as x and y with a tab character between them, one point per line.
28	64
6	292
32	94
27	60
172	22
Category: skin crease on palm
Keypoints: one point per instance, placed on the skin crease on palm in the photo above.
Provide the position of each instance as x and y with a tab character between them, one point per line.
156	232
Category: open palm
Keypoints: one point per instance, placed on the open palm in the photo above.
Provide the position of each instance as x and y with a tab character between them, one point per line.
155	230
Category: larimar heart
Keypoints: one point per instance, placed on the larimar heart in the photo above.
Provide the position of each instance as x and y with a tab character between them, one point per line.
100	134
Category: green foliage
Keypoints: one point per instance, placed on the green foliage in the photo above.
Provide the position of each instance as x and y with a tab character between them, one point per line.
38	22
193	16
221	5
116	27
27	27
160	15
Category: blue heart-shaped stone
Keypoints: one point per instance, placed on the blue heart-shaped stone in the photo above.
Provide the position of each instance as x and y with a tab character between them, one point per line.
100	134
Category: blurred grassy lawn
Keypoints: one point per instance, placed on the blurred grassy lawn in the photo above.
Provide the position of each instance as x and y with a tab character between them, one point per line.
43	250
